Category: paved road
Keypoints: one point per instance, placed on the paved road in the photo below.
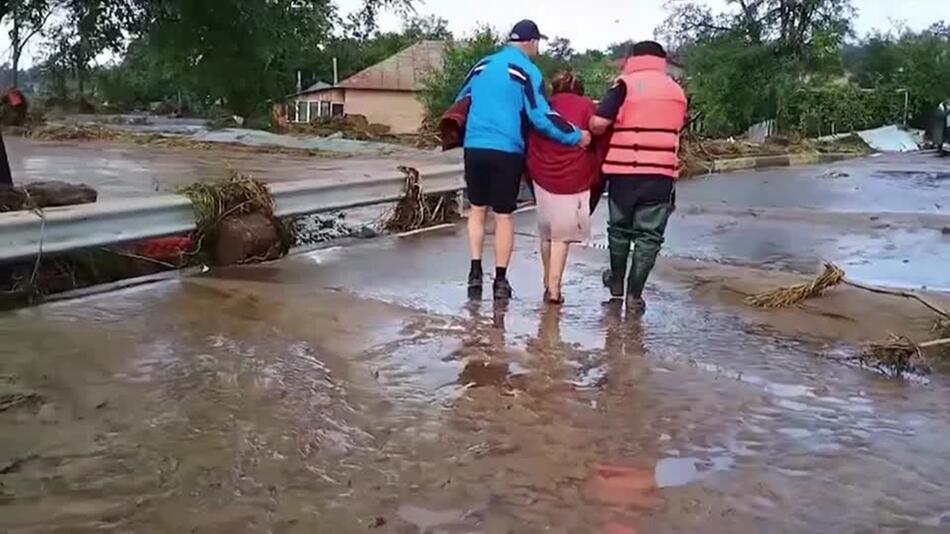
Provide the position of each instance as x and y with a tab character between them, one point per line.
119	170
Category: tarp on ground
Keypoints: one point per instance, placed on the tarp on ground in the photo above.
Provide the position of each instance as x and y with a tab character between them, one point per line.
890	139
262	138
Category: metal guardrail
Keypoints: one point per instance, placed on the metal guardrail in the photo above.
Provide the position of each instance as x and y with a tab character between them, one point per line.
23	234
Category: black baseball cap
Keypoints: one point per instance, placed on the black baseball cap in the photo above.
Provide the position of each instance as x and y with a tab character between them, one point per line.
526	30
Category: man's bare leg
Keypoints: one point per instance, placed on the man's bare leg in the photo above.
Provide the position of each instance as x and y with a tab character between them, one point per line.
504	243
504	239
476	231
476	243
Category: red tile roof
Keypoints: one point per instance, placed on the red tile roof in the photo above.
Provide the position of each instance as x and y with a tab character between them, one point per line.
404	71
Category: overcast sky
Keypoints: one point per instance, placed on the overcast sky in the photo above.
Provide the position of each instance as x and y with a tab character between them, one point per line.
599	23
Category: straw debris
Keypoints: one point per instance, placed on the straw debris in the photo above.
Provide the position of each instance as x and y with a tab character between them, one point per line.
416	209
898	355
784	297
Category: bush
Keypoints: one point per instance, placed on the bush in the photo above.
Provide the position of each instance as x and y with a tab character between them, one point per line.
825	110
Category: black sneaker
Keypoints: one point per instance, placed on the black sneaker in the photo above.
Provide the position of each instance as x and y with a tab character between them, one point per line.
614	285
636	305
502	289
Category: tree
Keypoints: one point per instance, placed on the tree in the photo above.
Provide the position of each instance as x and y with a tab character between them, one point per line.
27	19
362	25
560	49
746	62
429	28
90	27
793	26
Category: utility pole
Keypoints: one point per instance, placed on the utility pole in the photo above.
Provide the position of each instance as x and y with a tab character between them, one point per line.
336	73
906	105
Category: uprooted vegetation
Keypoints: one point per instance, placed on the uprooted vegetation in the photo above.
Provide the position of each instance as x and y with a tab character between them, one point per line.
698	154
98	132
898	355
416	209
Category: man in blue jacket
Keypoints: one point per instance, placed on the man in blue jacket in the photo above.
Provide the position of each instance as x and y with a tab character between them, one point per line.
507	93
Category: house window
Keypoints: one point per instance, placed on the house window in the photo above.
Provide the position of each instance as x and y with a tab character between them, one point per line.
325	108
336	109
314	111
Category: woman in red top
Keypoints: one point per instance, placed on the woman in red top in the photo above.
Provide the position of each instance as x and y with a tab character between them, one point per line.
563	177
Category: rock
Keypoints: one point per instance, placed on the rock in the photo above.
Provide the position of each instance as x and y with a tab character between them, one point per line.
247	237
56	193
11	199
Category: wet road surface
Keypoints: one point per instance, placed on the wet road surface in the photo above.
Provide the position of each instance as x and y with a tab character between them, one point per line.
884	219
119	170
358	389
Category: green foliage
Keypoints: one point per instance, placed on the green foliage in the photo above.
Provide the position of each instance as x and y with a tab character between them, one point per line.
734	84
786	59
239	54
917	62
441	88
825	110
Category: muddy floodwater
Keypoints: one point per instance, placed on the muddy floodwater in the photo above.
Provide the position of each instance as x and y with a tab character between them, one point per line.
332	392
357	389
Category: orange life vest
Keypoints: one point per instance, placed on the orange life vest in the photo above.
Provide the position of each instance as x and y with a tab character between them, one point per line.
646	134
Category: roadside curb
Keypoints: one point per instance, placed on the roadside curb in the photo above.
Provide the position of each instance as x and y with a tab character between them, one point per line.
781	160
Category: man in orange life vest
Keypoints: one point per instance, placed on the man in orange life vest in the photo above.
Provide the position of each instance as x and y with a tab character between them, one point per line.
647	110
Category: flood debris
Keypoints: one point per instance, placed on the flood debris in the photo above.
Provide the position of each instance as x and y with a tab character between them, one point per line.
416	209
698	154
898	356
784	297
314	229
10	401
236	221
75	132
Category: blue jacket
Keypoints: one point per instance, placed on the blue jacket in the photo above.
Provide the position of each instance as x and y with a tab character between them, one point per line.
505	88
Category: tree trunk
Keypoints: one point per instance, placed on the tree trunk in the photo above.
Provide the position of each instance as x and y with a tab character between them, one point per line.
17	50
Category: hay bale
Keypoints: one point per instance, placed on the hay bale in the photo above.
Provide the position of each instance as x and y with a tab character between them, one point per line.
784	297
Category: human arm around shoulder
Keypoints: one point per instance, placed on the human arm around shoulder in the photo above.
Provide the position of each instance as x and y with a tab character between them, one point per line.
542	117
608	109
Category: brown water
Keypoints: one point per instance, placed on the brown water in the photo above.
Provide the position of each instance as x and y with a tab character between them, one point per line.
264	400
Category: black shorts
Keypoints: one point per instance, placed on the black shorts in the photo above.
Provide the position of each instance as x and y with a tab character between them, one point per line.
493	178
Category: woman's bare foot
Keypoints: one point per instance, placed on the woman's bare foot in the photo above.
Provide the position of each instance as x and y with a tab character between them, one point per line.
553	297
